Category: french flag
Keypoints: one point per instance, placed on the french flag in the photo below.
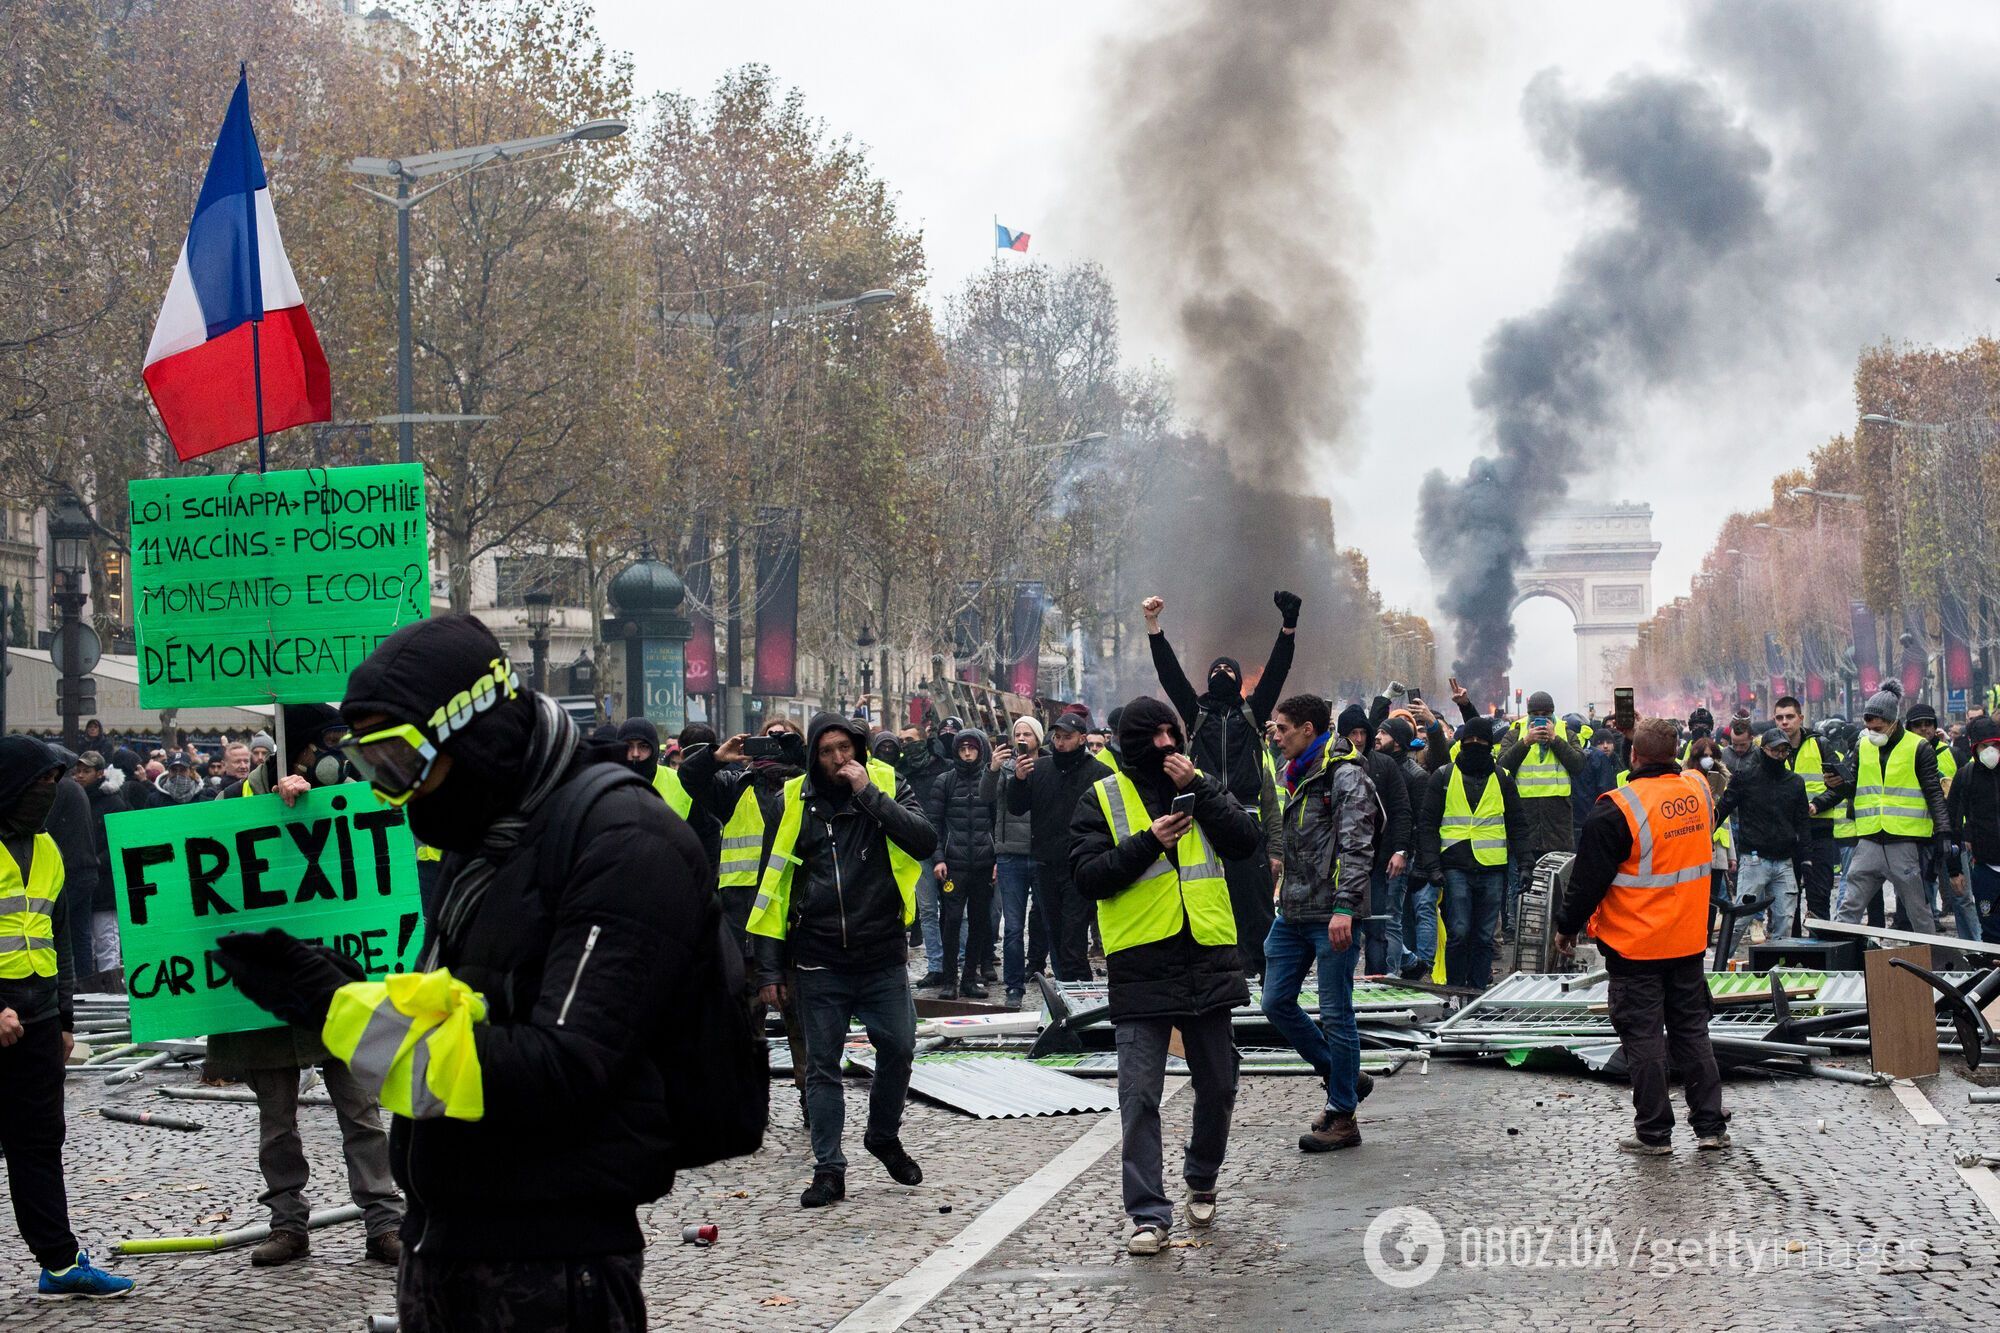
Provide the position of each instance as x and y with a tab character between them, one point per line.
234	354
1009	240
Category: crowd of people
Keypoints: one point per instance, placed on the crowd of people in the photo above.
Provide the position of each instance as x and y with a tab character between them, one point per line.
584	894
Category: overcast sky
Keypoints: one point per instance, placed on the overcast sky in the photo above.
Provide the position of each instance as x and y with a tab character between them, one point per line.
969	111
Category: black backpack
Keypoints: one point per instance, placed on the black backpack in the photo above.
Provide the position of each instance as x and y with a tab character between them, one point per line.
714	1065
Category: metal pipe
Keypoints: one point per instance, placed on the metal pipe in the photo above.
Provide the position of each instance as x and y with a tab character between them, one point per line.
130	1073
229	1240
1849	1076
1585	980
235	1095
153	1118
105	1057
1984	1097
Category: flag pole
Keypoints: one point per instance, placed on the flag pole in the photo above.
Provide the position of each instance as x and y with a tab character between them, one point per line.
257	378
257	318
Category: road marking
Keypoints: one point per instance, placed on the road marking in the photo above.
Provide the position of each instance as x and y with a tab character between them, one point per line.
1985	1184
1913	1100
892	1306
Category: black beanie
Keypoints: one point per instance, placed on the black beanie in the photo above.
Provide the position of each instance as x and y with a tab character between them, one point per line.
22	760
639	729
450	678
1352	718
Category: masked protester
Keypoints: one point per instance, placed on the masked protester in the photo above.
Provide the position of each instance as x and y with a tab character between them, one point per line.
1047	788
178	785
965	862
1163	905
1773	830
527	1058
1467	836
1974	805
37	1017
1899	811
1225	730
268	1062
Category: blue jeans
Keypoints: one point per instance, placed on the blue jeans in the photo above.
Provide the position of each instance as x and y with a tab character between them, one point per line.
1984	882
1016	885
927	921
1964	910
1757	876
1333	1046
1472	901
881	1001
1420	924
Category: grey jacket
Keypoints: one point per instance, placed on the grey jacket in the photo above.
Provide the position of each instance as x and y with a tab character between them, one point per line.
1330	825
1011	832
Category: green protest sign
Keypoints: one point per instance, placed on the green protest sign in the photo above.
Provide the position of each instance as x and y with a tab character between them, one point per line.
339	867
273	587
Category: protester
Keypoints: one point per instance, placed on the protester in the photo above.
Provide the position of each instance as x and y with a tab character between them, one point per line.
100	968
1641	884
237	762
1974	806
1740	755
1814	760
966	861
1331	823
920	765
1169	938
262	747
840	888
37	1020
1390	852
1413	899
545	1005
1704	759
1899	808
1025	943
1543	761
1225	730
1773	818
1467	836
1048	789
178	785
268	1062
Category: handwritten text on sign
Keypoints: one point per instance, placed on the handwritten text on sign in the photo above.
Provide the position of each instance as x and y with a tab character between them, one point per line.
250	589
338	868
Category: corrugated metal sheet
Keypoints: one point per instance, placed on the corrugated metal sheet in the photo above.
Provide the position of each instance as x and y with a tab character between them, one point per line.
998	1087
1369	997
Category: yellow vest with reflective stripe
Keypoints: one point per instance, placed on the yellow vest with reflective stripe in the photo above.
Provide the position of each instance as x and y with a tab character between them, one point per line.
27	911
1541	774
1887	798
1809	762
1947	762
1106	758
409	1038
771	914
1166	896
667	782
742	842
1485	828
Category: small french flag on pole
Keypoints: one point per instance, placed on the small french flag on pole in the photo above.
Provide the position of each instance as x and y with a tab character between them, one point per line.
234	354
1009	240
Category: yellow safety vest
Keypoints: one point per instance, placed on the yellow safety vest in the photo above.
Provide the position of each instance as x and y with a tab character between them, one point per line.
409	1038
1485	828
1887	798
1541	774
667	782
1106	758
27	911
742	842
426	852
1812	770
1947	762
1166	896
771	914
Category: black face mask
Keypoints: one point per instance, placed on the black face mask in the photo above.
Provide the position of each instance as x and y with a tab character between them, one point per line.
457	815
29	811
646	767
1223	685
1774	764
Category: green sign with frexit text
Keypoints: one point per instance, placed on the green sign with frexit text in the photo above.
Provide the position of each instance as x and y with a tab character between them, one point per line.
338	868
261	588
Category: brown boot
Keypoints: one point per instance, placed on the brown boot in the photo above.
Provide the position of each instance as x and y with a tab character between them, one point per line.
281	1248
386	1248
1332	1131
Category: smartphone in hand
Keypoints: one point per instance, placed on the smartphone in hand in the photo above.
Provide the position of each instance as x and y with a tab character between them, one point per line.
1183	804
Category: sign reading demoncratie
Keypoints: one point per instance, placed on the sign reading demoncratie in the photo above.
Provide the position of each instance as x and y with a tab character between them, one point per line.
338	868
261	588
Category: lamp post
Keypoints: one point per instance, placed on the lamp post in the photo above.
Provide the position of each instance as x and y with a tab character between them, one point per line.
538	603
69	542
862	643
452	163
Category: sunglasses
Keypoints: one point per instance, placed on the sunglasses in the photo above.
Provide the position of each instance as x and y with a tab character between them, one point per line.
394	761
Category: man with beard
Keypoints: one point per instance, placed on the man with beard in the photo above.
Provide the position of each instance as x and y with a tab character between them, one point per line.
840	888
1155	873
1225	733
528	1057
1048	788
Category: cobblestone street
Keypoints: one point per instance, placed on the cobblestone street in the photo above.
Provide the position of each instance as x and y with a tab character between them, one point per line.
1514	1166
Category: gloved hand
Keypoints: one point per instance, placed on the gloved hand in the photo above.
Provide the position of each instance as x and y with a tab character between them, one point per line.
1288	606
284	975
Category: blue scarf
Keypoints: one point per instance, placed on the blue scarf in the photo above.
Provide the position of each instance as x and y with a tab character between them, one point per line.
1296	769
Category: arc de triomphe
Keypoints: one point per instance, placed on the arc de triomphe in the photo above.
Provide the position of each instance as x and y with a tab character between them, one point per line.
1596	559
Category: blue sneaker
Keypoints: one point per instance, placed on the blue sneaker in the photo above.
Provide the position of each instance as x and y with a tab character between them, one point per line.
82	1278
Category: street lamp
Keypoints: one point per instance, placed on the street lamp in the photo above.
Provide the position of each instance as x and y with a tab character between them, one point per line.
454	162
69	545
538	603
862	643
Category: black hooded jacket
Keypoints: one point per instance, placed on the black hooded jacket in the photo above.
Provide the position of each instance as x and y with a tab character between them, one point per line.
1176	976
964	815
1476	763
847	912
1049	796
1221	741
37	999
716	788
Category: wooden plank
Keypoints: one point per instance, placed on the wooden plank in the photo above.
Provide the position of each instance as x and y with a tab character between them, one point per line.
1902	1014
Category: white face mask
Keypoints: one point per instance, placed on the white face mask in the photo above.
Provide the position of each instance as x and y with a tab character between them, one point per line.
1708	761
1877	737
1989	755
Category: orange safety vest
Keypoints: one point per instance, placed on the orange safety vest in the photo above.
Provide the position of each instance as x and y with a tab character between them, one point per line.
1658	903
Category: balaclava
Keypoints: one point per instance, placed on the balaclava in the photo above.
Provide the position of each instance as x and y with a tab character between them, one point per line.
1144	760
639	729
1225	687
25	802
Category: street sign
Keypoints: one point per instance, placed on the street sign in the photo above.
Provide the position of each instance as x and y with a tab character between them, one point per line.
1954	702
89	650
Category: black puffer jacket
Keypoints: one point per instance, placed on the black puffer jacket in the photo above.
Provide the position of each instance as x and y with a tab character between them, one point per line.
1769	802
1050	796
1173	977
847	913
919	768
1974	801
965	810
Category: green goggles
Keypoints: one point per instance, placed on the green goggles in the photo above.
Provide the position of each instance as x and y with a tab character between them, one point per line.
394	761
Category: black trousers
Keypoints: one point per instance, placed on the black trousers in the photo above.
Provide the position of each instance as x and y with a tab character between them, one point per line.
1659	1015
596	1295
1250	894
970	904
1818	886
31	1134
1069	915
